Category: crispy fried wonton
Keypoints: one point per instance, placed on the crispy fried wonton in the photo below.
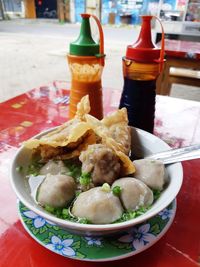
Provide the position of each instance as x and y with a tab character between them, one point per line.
115	127
68	140
74	136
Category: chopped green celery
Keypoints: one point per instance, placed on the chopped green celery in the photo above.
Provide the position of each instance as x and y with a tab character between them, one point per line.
49	208
116	190
83	221
34	168
85	178
74	169
128	215
58	212
63	213
156	194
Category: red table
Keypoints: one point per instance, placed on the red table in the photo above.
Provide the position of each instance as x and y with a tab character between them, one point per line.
179	54
182	49
177	122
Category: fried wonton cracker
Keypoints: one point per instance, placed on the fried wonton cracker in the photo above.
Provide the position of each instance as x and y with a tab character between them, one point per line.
70	139
117	125
83	108
67	140
67	133
114	126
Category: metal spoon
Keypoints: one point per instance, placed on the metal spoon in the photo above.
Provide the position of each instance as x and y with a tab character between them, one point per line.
177	154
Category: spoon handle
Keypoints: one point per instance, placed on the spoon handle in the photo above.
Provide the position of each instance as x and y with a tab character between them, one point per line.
177	154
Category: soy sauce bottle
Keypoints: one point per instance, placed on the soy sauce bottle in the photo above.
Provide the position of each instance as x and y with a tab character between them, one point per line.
141	68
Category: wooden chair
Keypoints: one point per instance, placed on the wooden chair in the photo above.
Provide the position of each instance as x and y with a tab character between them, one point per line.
173	73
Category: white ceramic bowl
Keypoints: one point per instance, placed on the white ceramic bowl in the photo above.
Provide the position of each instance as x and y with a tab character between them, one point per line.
143	144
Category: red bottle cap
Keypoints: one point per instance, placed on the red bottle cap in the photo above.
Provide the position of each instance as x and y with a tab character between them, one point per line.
144	50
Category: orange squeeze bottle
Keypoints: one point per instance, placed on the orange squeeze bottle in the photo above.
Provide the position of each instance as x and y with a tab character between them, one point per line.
86	62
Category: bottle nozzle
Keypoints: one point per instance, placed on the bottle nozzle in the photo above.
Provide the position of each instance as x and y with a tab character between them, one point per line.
85	15
144	50
144	39
84	45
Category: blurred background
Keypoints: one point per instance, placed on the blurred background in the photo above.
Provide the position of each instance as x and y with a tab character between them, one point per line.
35	36
109	11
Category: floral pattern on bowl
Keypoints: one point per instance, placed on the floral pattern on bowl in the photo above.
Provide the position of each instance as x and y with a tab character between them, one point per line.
126	244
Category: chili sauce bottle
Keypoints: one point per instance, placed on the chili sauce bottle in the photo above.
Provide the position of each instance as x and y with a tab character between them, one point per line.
86	62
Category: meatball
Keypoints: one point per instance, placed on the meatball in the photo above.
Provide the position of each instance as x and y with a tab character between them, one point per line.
98	206
134	193
54	167
56	190
151	172
101	162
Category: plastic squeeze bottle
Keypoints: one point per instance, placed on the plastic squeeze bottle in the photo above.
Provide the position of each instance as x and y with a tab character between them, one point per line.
86	62
141	68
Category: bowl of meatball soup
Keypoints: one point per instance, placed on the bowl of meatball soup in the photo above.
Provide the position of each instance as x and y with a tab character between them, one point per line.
94	192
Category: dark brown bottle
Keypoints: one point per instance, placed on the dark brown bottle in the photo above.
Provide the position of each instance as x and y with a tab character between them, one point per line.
141	67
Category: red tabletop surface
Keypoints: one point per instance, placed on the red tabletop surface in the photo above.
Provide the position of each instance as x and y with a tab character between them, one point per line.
177	122
182	49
